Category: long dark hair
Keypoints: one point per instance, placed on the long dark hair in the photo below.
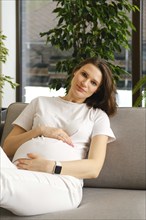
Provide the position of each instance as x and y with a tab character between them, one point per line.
105	97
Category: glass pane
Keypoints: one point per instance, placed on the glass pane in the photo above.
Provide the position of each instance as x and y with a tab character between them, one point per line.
144	38
124	85
144	47
39	59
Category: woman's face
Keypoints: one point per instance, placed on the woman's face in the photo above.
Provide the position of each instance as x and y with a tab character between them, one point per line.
85	82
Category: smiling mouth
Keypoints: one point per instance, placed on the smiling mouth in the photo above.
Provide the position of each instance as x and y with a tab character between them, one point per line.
80	89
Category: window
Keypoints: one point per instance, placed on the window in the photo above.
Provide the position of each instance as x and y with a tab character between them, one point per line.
39	60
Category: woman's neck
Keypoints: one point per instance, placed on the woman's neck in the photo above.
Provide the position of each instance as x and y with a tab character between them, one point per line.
70	98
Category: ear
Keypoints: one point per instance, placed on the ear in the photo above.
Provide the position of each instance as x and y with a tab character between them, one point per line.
74	73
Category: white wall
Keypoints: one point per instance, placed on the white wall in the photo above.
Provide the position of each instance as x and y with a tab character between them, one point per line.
8	28
124	97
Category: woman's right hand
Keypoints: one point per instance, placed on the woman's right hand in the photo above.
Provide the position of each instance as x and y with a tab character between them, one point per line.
56	133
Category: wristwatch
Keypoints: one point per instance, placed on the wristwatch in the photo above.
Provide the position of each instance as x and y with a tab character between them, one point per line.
57	168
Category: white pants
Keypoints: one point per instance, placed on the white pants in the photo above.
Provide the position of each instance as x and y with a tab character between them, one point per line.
31	193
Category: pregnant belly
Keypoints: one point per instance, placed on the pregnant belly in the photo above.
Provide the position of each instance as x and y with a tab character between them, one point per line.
51	149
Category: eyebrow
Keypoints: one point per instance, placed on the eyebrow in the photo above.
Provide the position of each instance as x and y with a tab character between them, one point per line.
93	79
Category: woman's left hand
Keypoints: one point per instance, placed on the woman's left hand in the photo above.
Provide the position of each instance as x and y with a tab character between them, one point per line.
35	162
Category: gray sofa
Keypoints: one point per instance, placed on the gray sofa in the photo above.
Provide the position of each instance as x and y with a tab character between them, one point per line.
119	191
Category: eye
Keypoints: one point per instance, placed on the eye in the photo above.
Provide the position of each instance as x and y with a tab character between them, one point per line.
84	74
93	83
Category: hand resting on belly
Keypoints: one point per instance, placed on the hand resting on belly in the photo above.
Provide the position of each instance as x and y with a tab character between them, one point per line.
51	149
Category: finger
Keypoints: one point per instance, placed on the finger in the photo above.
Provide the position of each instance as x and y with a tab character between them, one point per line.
23	161
68	141
32	155
65	139
59	136
22	166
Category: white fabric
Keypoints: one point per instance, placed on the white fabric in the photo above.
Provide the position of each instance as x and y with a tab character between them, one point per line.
31	193
78	120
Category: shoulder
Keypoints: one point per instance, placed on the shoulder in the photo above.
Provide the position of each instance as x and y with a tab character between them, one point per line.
42	99
99	115
38	102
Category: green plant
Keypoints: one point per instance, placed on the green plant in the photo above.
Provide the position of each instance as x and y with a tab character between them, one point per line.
3	58
90	28
141	85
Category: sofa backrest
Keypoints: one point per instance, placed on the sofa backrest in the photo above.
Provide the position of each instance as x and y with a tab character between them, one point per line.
13	111
125	163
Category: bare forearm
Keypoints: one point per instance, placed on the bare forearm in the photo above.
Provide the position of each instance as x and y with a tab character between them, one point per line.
18	136
13	142
87	168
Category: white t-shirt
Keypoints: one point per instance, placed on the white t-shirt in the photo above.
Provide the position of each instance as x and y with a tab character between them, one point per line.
78	120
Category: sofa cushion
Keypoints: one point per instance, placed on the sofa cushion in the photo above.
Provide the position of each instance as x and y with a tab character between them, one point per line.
125	164
99	204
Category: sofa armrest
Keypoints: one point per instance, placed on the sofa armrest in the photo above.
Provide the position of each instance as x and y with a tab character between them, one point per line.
1	130
13	112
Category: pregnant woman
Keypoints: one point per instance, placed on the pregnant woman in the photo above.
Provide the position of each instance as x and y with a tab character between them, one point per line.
56	142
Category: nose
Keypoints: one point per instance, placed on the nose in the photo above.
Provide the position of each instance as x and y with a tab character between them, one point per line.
85	83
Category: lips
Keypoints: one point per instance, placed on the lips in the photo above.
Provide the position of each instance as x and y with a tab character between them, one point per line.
80	89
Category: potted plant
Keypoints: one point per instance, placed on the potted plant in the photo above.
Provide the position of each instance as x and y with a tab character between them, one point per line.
141	85
4	78
90	28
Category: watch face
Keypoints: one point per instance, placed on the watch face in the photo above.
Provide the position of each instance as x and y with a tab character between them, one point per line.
58	169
